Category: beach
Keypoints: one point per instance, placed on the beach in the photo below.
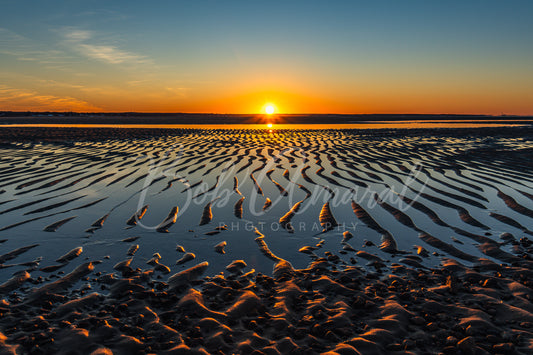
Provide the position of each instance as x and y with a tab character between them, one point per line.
274	241
297	177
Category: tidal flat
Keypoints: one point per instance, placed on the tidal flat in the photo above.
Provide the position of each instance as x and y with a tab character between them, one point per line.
169	240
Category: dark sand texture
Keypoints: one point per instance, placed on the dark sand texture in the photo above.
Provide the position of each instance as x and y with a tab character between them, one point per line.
324	308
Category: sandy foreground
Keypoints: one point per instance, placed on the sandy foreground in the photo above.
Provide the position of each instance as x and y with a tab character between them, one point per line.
467	305
324	308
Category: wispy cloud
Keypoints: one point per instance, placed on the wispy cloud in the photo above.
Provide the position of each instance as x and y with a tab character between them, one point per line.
20	80
137	82
8	37
26	49
55	83
110	54
178	91
78	35
21	99
84	42
87	43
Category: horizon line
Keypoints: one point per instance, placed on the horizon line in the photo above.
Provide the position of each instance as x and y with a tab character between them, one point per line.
259	114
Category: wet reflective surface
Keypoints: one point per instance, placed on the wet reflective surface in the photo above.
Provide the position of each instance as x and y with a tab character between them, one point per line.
445	194
275	125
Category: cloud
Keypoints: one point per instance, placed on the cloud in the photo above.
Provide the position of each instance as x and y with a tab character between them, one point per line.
81	41
55	83
137	82
178	91
35	82
28	50
110	54
8	37
23	100
84	42
64	55
78	35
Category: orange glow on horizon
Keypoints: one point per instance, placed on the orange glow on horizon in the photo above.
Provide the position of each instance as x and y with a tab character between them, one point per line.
288	100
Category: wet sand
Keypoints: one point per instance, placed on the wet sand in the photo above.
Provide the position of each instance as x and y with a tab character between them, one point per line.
414	289
69	134
325	308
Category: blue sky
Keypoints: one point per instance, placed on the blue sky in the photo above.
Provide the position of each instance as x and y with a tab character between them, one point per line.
232	56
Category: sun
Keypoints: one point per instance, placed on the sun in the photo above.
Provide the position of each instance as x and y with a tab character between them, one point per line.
269	109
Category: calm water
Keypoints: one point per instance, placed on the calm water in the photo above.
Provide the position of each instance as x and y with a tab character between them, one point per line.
274	125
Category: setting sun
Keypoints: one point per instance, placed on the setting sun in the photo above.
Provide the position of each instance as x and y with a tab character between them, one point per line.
269	109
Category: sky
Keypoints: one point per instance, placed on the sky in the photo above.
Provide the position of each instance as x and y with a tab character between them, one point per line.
353	57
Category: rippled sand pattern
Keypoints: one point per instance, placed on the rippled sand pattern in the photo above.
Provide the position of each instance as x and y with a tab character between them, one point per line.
451	196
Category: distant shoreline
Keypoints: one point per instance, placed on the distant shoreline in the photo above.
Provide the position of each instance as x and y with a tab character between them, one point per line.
9	135
196	118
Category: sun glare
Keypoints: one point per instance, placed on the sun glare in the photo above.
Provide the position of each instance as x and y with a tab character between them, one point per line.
269	125
269	109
